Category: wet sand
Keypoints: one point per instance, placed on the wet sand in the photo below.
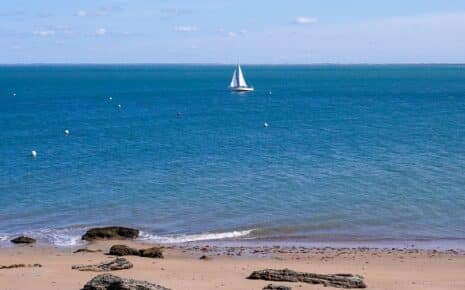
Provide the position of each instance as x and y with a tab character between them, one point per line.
228	267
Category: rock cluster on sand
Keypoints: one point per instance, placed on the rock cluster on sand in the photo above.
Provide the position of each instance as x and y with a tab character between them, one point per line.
23	240
113	265
123	250
111	282
110	233
333	280
276	287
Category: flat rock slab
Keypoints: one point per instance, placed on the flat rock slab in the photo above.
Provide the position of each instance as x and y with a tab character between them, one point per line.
111	282
14	266
23	240
333	280
113	265
110	233
85	250
276	287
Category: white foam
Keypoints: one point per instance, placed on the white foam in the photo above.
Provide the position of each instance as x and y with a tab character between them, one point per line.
174	239
66	237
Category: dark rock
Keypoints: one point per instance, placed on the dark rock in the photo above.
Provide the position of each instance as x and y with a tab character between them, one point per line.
23	240
21	266
203	257
110	233
85	250
153	252
111	282
333	280
276	287
123	250
113	265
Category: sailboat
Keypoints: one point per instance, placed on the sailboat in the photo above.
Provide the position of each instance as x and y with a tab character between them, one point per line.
238	83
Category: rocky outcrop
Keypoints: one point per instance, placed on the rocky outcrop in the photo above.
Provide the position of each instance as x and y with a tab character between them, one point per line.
276	287
333	280
113	265
154	252
20	266
23	240
123	250
110	233
111	282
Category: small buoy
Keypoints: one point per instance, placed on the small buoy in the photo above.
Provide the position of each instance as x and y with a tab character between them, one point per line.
270	92
265	125
119	106
110	98
34	153
14	94
66	132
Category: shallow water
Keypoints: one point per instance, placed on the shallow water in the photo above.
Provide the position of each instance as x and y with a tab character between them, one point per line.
351	152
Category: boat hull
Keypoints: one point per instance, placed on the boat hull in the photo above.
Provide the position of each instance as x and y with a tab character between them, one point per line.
242	89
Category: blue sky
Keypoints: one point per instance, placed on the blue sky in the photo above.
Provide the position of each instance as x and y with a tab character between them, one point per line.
216	31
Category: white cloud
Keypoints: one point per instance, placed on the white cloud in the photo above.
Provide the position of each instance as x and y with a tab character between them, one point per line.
81	13
45	33
186	28
100	31
305	20
232	34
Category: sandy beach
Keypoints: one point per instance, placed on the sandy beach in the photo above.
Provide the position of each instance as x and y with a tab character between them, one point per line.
227	268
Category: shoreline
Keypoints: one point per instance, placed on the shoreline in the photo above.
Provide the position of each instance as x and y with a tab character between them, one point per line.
242	238
226	267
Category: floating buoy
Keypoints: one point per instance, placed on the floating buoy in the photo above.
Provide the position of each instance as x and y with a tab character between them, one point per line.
265	125
14	94
66	132
34	153
270	92
119	106
110	98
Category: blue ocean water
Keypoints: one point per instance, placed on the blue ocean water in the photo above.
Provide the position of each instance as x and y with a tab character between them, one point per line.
364	153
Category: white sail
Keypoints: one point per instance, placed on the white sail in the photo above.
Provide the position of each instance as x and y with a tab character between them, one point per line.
234	83
240	77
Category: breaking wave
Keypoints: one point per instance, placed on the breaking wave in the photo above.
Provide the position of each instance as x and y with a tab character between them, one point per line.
173	239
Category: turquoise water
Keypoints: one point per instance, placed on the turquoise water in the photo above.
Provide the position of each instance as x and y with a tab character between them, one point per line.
352	153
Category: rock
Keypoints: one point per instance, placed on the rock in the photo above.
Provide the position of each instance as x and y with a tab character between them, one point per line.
276	287
113	265
111	282
154	252
110	233
333	280
20	266
86	250
204	257
123	250
23	240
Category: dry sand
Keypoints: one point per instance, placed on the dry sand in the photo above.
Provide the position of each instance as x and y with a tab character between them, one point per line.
182	269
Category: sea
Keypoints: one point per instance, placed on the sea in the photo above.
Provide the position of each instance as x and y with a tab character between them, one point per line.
352	154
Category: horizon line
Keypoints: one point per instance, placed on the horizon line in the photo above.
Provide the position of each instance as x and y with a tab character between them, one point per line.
227	63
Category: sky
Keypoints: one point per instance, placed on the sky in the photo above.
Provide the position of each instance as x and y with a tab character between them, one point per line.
217	31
